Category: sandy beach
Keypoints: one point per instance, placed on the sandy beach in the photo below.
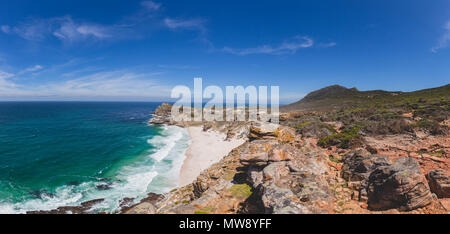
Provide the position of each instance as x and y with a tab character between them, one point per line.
206	148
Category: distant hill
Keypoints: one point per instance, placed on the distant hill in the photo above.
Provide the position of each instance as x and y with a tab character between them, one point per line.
337	97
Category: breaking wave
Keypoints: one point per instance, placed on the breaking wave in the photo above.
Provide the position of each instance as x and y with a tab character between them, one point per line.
155	171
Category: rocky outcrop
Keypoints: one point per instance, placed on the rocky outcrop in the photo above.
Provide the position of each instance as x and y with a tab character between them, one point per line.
278	171
162	114
83	208
400	185
288	179
221	189
145	206
142	208
385	185
270	131
358	165
273	173
439	183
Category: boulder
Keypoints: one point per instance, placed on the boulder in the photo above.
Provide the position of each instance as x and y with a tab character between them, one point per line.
275	170
439	183
257	152
281	153
359	164
142	208
311	164
258	159
260	131
270	131
301	191
400	185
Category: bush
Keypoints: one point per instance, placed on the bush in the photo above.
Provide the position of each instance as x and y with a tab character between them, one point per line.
396	126
315	129
348	138
432	126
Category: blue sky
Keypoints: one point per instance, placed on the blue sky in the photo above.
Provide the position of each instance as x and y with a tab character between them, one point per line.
139	50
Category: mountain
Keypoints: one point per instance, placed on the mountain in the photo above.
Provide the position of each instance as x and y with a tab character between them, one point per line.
337	97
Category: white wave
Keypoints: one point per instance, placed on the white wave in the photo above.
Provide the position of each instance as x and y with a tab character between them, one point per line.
150	174
64	195
166	143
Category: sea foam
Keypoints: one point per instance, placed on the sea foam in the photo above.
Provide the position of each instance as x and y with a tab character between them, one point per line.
158	171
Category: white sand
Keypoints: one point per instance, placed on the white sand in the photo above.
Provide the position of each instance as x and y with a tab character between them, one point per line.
206	148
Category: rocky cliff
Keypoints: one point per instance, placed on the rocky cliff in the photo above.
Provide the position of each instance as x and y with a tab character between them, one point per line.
279	171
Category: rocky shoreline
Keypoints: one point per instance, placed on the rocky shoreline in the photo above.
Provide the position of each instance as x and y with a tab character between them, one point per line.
279	170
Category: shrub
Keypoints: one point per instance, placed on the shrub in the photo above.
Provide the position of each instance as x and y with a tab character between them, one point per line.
348	138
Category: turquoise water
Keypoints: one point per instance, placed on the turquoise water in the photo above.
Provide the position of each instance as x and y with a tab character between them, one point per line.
63	153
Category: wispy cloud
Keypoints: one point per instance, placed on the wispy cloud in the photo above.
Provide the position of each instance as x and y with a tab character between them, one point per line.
288	47
5	29
196	24
70	30
64	28
34	68
112	84
327	45
7	87
4	76
150	5
444	40
177	67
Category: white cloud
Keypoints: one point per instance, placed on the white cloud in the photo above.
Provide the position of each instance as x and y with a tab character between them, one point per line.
287	47
150	5
63	28
114	84
5	75
197	24
5	29
326	45
7	87
34	68
33	30
444	40
69	30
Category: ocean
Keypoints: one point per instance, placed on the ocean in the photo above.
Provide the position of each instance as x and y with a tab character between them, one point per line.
63	153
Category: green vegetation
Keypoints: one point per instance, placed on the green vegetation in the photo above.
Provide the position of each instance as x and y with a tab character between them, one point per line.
368	113
205	210
343	139
439	154
241	190
300	126
333	159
